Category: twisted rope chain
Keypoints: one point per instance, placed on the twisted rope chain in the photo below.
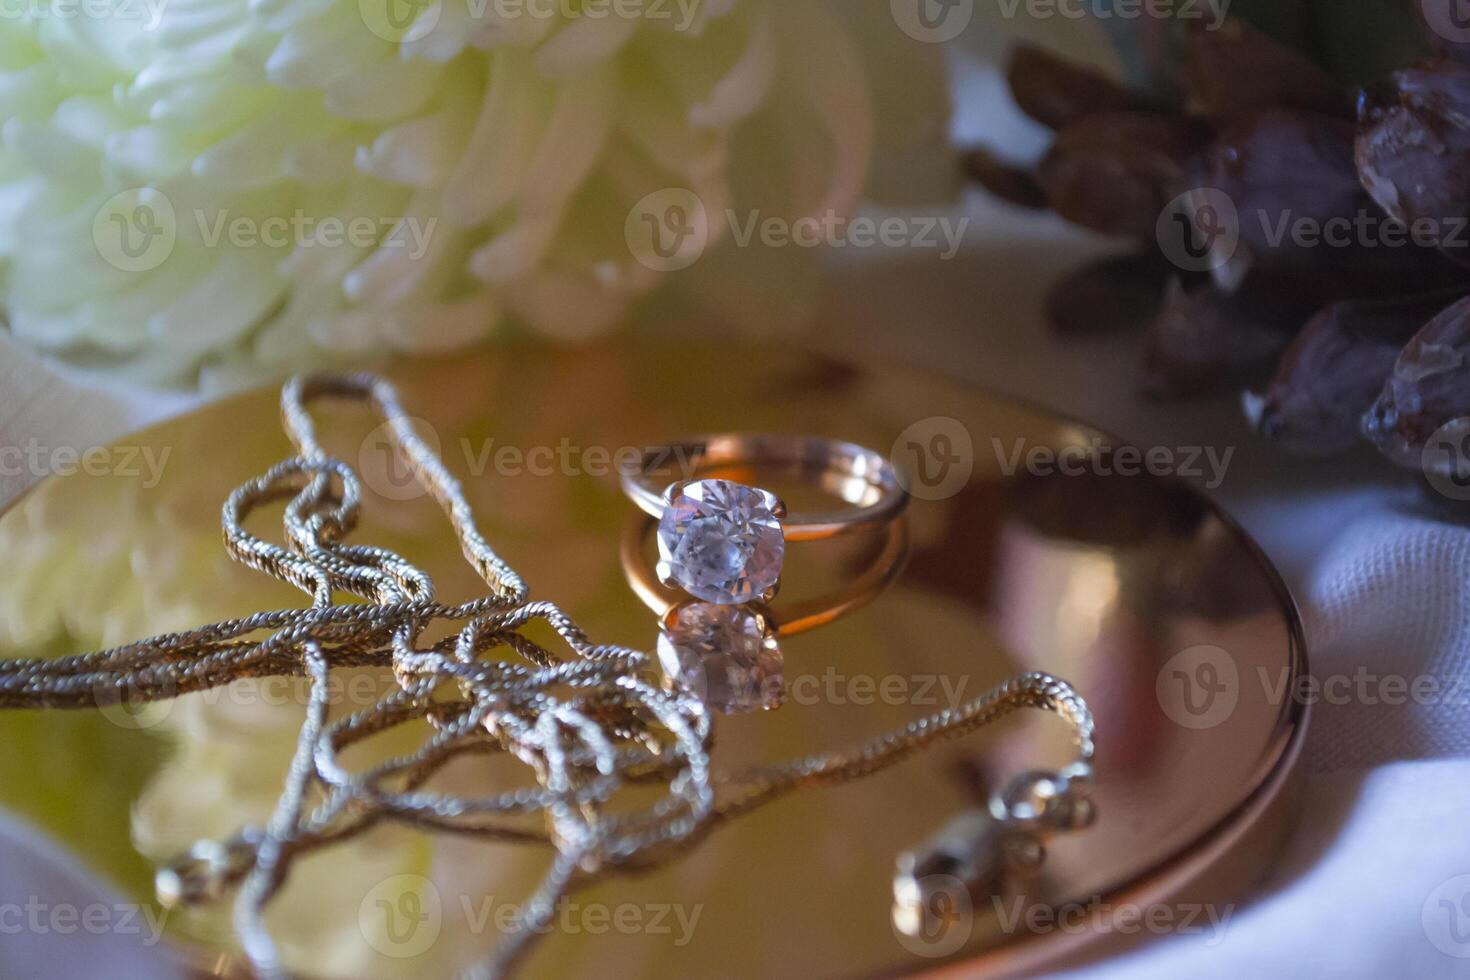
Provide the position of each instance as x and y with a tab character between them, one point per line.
587	726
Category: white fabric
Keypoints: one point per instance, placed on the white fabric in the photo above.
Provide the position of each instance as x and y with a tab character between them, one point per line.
1384	585
58	920
52	415
1357	894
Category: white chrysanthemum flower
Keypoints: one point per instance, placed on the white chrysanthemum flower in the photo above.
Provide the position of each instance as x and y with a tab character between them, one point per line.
231	186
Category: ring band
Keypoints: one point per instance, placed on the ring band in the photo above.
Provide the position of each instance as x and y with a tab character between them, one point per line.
863	478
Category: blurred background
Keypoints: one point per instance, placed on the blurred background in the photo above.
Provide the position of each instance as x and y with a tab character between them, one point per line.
201	196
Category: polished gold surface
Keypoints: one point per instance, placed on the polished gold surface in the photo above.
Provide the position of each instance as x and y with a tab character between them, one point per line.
1103	580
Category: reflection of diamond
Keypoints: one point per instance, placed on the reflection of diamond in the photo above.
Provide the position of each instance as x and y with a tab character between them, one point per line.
721	542
724	656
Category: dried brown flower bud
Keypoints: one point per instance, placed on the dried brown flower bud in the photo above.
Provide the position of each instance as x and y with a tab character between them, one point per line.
1281	167
1114	173
1007	182
1413	146
1333	275
1056	93
1203	338
1429	386
1234	68
1119	292
1336	367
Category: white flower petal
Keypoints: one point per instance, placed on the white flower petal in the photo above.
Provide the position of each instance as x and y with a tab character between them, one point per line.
567	305
497	158
323	49
418	153
29	92
218	308
394	88
257	154
525	141
584	43
444	326
746	86
49	150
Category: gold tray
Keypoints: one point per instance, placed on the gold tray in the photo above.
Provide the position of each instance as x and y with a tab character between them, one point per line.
1133	588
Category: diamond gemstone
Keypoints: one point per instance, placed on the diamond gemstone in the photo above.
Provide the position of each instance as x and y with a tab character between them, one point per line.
721	542
724	656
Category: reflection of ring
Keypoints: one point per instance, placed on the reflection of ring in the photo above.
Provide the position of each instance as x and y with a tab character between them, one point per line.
724	541
799	617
